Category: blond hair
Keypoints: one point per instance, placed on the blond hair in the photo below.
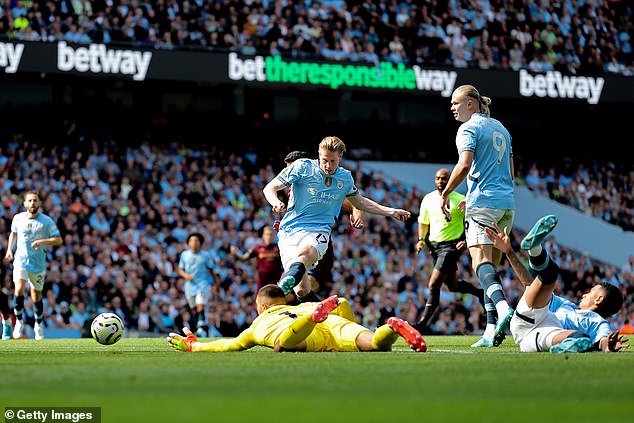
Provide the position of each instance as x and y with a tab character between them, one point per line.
333	144
471	91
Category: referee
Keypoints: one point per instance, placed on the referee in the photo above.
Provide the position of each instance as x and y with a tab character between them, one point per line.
445	239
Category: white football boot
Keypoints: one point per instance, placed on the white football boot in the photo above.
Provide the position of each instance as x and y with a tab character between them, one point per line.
39	331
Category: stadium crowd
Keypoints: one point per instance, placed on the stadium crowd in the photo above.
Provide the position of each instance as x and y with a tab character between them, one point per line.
570	36
125	211
602	190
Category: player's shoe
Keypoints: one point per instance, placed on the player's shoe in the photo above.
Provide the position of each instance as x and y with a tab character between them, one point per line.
38	330
539	232
500	329
17	330
324	308
287	283
572	345
483	343
182	343
6	331
413	338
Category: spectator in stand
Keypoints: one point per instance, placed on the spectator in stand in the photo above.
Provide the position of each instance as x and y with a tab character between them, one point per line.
267	254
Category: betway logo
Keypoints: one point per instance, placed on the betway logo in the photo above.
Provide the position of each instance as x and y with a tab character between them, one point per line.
335	75
10	55
98	59
556	85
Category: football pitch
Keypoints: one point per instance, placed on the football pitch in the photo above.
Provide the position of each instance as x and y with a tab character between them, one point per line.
143	380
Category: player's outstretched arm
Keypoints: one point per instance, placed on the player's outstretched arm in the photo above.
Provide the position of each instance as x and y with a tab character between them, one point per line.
371	206
502	241
189	342
613	342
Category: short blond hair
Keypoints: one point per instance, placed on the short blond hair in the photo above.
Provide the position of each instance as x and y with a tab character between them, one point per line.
471	91
333	143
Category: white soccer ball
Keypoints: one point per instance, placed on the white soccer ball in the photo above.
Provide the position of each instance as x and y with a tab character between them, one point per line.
107	328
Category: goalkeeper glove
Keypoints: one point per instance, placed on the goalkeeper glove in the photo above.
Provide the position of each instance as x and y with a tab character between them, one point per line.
182	343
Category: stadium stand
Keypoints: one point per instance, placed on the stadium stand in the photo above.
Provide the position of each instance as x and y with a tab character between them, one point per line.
573	37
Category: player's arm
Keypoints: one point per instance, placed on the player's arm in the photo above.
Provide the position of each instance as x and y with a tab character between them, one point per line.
241	256
612	343
189	342
8	257
270	193
458	174
423	229
184	274
371	206
52	241
502	241
356	215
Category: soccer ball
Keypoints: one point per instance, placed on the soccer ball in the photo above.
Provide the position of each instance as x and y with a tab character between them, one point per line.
107	328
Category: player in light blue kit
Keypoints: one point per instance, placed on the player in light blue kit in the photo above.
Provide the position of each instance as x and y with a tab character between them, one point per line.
546	322
32	231
193	266
486	161
318	189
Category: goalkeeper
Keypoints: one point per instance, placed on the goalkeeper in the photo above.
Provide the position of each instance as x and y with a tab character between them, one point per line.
325	326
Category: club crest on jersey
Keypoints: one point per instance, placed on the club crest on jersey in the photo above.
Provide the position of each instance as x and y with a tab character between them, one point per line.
339	184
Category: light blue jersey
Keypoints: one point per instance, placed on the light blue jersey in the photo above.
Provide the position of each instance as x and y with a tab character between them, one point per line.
585	321
28	230
197	265
315	198
489	182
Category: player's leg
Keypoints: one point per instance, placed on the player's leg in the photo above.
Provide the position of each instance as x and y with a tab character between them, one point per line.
19	279
7	326
484	260
294	256
310	248
448	263
199	316
570	341
431	305
38	311
486	340
303	326
413	338
538	294
36	280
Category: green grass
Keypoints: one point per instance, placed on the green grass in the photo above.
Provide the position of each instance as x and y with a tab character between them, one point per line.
143	380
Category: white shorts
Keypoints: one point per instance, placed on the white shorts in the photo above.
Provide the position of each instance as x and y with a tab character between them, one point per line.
291	245
35	279
194	300
477	218
533	329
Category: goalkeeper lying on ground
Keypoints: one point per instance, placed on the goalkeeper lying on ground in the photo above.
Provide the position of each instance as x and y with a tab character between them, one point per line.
325	326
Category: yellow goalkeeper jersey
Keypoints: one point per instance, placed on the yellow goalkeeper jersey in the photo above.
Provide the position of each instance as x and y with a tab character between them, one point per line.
336	333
